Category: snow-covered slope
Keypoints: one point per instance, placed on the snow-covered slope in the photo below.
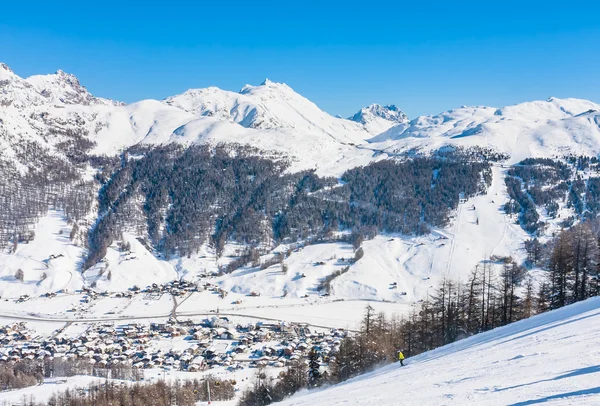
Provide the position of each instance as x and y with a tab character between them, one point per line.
270	117
551	358
270	106
551	128
46	110
377	118
49	263
274	117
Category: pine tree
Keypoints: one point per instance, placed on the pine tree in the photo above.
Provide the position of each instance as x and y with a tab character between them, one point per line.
511	277
585	260
529	300
347	360
561	267
473	302
314	373
543	299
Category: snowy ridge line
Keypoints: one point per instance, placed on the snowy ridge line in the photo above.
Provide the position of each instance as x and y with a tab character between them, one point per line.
272	116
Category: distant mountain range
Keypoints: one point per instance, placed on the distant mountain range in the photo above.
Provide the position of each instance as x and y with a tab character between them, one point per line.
41	109
61	148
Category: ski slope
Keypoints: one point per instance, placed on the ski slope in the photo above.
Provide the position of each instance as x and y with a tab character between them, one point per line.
49	263
553	358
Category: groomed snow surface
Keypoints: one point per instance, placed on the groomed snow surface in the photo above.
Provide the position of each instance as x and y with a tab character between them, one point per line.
552	358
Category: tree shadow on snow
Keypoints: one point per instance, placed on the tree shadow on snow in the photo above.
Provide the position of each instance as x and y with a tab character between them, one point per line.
576	372
583	392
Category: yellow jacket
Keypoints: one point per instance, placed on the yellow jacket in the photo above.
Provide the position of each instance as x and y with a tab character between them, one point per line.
400	355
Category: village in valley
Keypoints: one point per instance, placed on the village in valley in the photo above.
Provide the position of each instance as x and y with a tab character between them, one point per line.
174	343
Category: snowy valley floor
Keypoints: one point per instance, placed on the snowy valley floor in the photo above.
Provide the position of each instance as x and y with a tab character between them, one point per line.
553	358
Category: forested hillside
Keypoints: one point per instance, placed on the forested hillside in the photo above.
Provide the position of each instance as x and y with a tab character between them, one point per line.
546	189
49	182
184	198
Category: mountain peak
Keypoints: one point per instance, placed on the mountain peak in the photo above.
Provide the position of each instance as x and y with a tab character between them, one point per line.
63	87
267	85
6	72
5	67
389	112
377	118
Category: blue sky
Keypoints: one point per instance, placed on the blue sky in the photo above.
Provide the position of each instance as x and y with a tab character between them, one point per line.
425	57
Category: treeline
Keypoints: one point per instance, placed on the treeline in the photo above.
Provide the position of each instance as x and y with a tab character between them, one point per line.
159	393
24	373
488	299
21	374
186	197
473	153
497	292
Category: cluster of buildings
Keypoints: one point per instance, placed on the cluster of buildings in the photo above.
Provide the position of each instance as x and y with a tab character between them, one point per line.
173	345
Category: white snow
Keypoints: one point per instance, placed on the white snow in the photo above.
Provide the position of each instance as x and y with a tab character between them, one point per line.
276	119
551	358
551	128
51	253
121	270
377	118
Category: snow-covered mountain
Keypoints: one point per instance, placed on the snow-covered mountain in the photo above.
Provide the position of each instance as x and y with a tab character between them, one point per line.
269	117
273	117
547	351
270	106
551	128
49	110
377	118
101	224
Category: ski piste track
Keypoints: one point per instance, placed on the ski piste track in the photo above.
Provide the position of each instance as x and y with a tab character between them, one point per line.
454	238
535	361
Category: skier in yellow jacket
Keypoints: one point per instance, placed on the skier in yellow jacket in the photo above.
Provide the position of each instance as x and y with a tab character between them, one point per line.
401	358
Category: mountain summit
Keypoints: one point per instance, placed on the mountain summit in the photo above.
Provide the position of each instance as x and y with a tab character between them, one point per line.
269	106
274	117
377	118
62	87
